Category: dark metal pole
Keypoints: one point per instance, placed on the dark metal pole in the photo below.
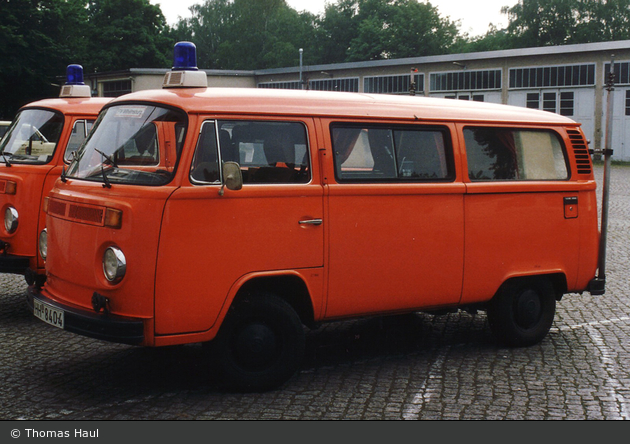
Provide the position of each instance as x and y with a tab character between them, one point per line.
412	82
608	151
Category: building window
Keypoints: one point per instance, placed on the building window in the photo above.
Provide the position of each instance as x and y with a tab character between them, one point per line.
622	73
281	85
627	102
347	85
466	80
397	84
533	100
117	88
553	76
566	103
549	101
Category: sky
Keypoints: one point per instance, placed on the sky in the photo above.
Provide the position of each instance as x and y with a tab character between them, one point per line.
474	16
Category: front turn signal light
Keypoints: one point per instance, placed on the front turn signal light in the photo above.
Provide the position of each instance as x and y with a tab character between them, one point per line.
113	218
10	187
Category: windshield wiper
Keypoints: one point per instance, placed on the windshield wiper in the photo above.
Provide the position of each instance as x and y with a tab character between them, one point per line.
5	159
108	157
106	183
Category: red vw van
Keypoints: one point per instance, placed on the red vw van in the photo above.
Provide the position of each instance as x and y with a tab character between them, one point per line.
238	216
39	143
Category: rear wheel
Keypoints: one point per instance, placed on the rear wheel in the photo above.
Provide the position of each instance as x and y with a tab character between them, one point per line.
260	344
522	312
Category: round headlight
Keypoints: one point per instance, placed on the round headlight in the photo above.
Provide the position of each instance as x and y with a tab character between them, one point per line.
43	243
114	264
10	219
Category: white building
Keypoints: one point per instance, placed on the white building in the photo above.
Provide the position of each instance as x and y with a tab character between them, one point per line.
569	80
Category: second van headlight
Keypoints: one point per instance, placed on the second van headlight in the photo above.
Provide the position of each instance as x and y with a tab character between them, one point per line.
43	243
11	219
114	264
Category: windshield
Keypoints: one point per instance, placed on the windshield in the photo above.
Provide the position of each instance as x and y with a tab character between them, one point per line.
33	137
131	144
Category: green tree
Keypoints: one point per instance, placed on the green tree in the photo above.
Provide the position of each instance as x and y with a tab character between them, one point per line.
247	34
602	21
127	33
356	30
39	39
418	29
542	22
208	28
559	22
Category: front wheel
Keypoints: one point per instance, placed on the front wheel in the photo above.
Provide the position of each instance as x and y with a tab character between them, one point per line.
260	344
522	312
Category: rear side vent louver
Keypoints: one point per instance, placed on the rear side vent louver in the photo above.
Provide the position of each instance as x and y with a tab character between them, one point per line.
580	151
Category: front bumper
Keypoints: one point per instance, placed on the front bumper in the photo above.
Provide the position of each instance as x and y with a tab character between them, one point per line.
106	327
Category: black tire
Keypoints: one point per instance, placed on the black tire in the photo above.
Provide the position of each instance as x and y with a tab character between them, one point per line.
522	312
260	344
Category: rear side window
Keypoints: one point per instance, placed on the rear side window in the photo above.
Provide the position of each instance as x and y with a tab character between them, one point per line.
513	154
395	154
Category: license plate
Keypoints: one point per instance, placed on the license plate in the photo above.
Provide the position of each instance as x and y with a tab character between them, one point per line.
48	313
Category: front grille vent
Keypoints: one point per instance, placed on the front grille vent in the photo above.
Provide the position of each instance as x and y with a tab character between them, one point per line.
80	213
57	208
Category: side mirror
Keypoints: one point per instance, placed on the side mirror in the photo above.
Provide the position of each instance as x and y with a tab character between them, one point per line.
232	177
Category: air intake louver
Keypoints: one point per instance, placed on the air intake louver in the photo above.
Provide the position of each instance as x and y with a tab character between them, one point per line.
580	150
76	212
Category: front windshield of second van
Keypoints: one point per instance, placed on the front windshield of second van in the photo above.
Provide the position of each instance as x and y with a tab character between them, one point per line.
33	137
132	144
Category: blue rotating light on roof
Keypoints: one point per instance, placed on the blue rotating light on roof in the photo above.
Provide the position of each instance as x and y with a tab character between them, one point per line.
185	57
74	75
74	86
185	73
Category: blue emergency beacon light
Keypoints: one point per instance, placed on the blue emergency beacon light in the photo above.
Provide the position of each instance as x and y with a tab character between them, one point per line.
185	57
185	73
74	86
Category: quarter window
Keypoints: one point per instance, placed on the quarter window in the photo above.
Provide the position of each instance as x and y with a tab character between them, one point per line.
509	154
205	166
369	154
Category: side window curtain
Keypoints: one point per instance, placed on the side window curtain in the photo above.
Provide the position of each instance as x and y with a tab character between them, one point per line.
394	154
205	164
268	152
508	154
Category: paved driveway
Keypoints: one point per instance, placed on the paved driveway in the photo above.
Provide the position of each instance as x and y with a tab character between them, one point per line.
411	367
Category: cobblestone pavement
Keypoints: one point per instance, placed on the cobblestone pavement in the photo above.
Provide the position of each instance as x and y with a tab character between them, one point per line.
412	367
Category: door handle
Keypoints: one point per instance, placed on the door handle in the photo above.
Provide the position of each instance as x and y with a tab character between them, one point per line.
311	222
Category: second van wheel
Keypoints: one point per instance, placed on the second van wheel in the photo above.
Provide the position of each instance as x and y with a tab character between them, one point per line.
260	344
522	312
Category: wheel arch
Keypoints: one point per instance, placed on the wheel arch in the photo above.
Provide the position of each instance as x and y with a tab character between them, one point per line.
558	281
288	286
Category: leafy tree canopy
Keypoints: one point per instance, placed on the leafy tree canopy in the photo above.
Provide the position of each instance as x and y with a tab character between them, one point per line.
41	37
